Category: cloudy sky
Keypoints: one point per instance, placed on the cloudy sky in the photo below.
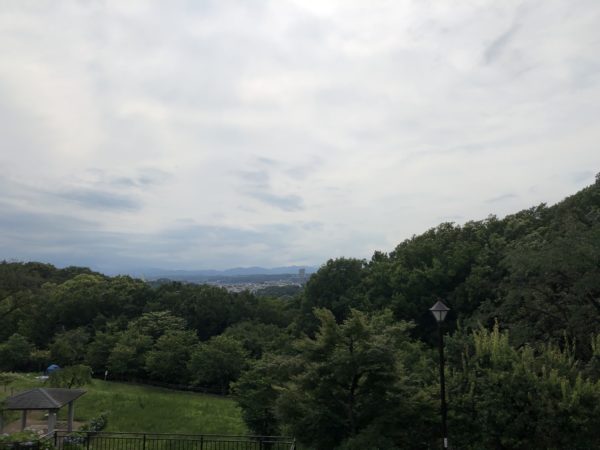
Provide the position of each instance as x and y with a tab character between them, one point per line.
215	133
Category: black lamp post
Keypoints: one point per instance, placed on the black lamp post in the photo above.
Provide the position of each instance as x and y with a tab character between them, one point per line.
439	311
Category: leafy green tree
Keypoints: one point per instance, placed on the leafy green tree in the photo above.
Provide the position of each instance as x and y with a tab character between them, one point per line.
7	378
258	338
69	347
99	350
207	309
127	358
157	323
350	386
502	397
13	309
257	391
71	376
554	284
168	359
592	369
40	359
15	353
337	286
218	362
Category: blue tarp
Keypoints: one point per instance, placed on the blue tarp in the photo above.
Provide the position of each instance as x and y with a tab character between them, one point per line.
52	368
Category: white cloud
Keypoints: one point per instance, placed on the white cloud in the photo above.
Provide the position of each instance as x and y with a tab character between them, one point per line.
374	120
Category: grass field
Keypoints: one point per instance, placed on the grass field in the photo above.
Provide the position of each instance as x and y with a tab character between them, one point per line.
137	408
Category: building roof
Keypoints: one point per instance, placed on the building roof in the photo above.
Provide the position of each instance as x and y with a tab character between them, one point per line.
42	398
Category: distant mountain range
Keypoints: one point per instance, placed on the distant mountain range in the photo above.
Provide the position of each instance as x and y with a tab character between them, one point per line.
196	275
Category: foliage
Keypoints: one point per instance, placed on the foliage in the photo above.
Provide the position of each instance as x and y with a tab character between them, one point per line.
167	360
504	397
128	356
24	439
554	285
350	386
14	353
257	391
335	286
99	350
140	408
6	378
259	338
98	423
71	376
68	347
217	362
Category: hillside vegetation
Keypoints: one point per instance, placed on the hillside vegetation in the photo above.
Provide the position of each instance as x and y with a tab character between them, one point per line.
145	409
350	363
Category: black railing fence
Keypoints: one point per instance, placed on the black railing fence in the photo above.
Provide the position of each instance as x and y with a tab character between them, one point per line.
34	445
147	441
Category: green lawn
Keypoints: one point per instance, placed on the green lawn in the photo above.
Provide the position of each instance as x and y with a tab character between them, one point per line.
137	408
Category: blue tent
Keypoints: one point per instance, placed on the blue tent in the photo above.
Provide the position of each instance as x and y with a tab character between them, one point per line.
52	368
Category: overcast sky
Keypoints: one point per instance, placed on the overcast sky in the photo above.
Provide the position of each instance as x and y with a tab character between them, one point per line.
214	134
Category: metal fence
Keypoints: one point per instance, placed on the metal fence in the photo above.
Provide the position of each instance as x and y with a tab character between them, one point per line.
146	441
35	445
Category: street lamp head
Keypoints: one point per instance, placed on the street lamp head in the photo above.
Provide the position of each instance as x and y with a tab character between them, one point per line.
439	311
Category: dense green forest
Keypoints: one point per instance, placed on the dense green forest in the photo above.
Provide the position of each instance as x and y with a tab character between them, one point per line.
350	362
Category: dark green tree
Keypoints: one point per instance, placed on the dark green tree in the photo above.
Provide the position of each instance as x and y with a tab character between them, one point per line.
217	363
15	353
258	338
168	359
350	386
98	351
71	376
128	356
502	397
337	286
257	391
68	348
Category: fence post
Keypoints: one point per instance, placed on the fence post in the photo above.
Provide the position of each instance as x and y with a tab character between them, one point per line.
144	442
202	442
88	438
55	438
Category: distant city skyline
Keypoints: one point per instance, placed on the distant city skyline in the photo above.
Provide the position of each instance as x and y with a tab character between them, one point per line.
212	135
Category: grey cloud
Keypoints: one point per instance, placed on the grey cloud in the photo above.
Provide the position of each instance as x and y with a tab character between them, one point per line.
256	178
145	178
96	199
283	202
56	238
501	198
67	239
256	184
586	175
267	161
303	171
451	218
16	221
495	49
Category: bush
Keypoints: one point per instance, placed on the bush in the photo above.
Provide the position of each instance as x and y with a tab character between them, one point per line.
70	377
23	440
97	423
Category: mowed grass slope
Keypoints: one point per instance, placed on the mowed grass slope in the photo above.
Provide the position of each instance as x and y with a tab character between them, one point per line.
138	408
156	410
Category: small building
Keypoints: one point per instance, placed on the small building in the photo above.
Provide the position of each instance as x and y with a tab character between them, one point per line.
50	399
